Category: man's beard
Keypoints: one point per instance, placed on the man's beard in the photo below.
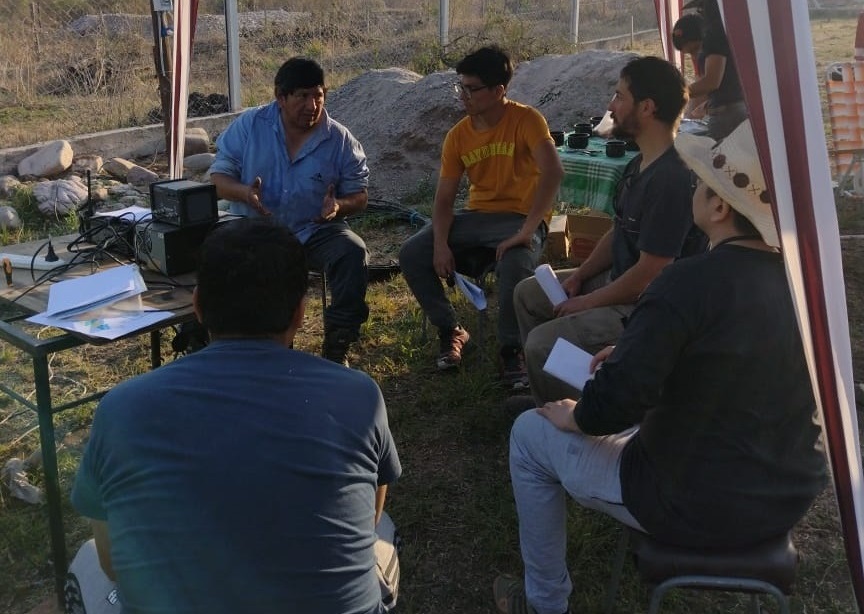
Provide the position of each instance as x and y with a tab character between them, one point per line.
625	129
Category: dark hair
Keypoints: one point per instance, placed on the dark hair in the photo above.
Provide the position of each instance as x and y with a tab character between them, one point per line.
490	64
741	223
252	276
657	79
297	73
687	30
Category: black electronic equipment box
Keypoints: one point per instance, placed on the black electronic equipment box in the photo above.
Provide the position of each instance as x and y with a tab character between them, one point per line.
182	202
170	249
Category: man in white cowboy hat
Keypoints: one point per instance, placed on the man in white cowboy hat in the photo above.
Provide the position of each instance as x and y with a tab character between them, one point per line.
698	427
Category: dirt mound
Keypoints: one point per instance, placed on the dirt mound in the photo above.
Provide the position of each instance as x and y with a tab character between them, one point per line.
401	118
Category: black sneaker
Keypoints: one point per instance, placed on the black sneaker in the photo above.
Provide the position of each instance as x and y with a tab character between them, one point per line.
336	344
452	343
514	375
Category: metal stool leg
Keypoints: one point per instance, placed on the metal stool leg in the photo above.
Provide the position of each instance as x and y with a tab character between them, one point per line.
719	583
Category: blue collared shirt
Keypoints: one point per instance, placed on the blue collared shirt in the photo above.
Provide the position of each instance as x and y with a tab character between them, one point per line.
293	190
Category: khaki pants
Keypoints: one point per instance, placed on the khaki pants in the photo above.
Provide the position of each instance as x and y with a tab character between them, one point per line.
591	330
89	591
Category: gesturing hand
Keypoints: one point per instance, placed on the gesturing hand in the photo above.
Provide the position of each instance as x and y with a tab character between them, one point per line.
253	197
330	206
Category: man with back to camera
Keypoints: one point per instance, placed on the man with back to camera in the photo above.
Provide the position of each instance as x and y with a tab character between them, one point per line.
507	153
699	427
246	477
653	225
289	159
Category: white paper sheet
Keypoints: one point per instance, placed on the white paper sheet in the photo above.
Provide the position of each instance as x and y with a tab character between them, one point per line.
104	327
110	322
130	214
81	294
569	363
545	276
471	291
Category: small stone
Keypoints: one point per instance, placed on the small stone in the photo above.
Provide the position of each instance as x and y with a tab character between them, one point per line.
8	186
9	219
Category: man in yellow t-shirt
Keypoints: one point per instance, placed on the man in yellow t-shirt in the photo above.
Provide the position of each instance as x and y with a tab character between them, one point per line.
508	155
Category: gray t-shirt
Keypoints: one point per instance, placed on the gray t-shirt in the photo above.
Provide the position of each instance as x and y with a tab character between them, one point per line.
654	213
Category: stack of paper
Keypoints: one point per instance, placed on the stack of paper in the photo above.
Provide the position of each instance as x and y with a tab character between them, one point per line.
106	304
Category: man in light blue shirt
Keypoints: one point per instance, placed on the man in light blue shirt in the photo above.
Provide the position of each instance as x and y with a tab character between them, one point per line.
290	160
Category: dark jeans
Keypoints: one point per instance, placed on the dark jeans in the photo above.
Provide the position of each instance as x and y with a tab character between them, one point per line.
341	255
472	229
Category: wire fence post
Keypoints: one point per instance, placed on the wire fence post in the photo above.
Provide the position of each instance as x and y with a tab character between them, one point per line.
444	23
574	22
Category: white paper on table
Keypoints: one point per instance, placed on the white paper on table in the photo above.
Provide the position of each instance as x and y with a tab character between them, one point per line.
569	363
74	296
471	291
110	322
133	214
547	279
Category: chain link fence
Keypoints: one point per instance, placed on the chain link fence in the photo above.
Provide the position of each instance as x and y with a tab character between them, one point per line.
67	68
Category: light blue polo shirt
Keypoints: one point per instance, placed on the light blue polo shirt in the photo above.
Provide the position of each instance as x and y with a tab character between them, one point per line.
293	190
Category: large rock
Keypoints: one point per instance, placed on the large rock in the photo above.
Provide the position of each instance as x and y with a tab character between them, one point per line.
57	198
568	89
87	162
9	219
404	151
197	142
118	168
140	176
50	160
8	186
198	162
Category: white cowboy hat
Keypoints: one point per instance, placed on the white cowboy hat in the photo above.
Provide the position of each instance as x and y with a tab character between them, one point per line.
731	168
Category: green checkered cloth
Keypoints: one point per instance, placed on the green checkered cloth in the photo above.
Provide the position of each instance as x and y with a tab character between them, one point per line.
591	180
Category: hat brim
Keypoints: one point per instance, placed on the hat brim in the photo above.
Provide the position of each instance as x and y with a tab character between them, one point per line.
696	151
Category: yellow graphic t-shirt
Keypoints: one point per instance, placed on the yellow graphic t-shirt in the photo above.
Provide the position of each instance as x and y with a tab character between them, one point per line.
498	162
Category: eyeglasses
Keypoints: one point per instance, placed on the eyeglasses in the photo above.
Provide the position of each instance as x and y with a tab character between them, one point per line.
465	91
